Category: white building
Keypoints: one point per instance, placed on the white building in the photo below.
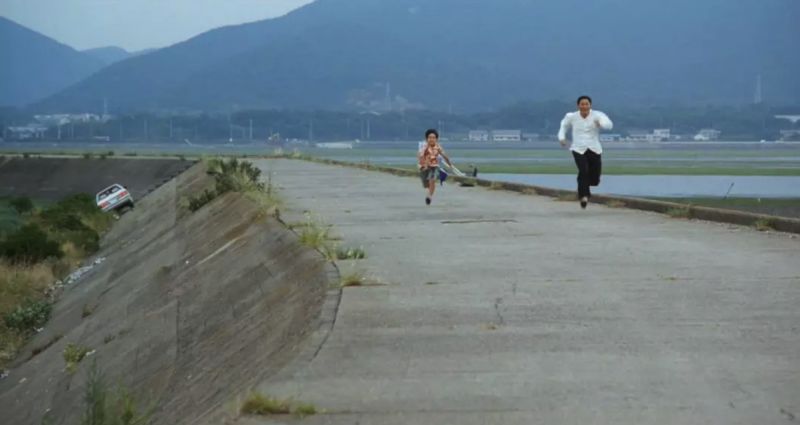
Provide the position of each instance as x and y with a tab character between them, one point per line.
661	134
335	145
478	136
707	134
28	132
787	135
507	136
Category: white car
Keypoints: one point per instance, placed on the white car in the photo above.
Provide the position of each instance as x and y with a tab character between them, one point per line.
114	197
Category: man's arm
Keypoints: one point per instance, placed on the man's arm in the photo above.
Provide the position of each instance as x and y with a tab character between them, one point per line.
604	122
562	132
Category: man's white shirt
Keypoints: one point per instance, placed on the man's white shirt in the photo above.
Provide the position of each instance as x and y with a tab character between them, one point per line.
585	133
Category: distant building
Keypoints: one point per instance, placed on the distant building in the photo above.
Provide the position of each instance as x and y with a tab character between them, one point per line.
661	134
335	145
610	137
61	119
507	136
530	137
28	132
787	135
707	134
478	136
657	135
638	135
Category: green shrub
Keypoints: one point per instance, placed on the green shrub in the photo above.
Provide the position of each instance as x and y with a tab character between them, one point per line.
76	219
28	316
235	176
105	407
229	176
29	244
21	204
74	354
351	253
197	202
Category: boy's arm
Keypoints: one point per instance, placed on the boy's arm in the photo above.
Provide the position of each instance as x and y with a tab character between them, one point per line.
446	158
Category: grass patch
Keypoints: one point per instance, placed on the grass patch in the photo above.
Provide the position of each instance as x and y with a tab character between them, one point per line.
259	404
305	409
679	212
352	279
566	197
316	234
23	304
496	186
351	253
73	354
103	406
616	204
234	176
87	311
764	224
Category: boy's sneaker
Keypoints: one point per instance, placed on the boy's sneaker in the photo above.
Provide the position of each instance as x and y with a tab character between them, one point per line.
427	201
584	202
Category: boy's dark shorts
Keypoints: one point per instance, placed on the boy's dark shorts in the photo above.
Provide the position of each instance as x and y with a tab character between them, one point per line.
426	175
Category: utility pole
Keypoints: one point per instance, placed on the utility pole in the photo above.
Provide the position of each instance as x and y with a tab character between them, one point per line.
251	129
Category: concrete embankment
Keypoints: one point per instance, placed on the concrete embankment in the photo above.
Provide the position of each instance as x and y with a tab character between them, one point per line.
50	179
188	311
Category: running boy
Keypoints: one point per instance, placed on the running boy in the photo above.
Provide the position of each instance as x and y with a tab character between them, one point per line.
429	162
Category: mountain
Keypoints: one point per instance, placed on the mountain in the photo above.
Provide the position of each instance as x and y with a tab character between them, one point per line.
108	55
113	54
467	55
34	66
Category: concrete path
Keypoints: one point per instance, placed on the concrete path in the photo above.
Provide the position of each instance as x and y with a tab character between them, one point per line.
501	308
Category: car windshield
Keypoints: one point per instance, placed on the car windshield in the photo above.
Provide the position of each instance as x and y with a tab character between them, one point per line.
108	192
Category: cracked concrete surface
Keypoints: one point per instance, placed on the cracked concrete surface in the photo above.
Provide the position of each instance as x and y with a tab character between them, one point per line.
529	310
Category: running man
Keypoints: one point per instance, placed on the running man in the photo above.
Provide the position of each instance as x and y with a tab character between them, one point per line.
586	124
428	158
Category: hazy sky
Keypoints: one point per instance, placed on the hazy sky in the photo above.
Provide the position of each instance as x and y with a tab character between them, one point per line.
136	24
